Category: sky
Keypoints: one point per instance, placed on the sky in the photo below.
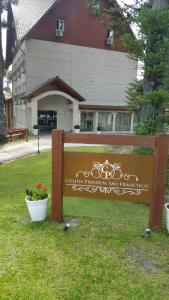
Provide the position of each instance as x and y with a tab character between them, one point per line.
125	1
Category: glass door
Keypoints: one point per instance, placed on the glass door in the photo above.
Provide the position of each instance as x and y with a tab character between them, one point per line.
47	119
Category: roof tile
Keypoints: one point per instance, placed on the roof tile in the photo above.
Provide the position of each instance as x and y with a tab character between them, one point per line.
27	13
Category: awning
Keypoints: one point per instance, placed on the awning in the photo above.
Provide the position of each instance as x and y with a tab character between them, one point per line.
52	84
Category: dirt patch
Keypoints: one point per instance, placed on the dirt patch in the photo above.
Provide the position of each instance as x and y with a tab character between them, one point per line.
121	149
149	266
141	257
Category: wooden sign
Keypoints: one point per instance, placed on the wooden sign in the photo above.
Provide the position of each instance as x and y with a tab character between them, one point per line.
108	176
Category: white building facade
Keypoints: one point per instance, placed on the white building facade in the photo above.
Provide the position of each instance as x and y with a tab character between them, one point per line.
59	85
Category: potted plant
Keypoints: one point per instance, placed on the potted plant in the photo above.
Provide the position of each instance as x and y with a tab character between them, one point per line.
99	130
35	129
76	128
167	215
37	202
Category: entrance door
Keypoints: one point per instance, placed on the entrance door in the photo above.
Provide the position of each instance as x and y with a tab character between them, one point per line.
47	119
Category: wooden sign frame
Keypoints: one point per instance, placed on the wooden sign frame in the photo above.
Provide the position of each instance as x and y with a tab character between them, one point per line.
159	142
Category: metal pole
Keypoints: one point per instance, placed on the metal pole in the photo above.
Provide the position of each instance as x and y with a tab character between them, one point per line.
38	140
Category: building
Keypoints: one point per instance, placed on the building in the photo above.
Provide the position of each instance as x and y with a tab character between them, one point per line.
8	109
68	68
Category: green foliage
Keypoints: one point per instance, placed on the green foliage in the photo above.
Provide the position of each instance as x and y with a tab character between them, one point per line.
157	121
156	98
153	32
3	5
153	43
152	125
115	19
143	151
134	93
146	128
151	95
152	48
37	193
136	46
76	126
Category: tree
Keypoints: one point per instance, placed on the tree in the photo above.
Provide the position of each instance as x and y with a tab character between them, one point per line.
154	52
2	102
149	97
3	5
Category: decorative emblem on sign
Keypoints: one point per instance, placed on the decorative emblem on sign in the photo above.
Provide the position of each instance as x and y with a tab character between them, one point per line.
106	190
106	178
106	171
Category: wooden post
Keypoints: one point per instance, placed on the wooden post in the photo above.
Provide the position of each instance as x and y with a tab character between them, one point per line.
57	175
156	206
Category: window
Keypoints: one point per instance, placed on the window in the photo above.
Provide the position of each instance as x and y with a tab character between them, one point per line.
123	121
87	121
105	121
22	67
95	4
60	26
47	119
110	37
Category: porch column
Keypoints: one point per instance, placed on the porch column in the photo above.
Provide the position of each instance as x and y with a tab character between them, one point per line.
34	112
132	123
76	114
96	119
114	122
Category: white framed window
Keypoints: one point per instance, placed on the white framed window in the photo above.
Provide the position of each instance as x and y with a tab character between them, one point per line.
105	121
123	121
60	27
87	121
110	37
95	4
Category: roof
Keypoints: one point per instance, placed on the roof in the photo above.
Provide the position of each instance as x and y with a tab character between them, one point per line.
27	13
55	83
107	108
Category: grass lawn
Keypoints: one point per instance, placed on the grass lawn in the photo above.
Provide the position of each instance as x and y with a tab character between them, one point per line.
105	258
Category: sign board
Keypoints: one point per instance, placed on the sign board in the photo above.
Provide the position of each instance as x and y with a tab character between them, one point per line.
108	176
129	177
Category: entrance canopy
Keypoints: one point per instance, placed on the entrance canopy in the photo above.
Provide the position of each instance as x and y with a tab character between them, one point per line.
53	104
55	83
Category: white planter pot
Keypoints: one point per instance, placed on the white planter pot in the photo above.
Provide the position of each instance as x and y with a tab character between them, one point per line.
35	131
76	130
167	215
37	209
99	132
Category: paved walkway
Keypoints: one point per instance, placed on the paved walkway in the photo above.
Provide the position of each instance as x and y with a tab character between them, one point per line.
21	148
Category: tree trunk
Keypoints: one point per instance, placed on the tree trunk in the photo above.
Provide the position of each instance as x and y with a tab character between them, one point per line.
2	100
